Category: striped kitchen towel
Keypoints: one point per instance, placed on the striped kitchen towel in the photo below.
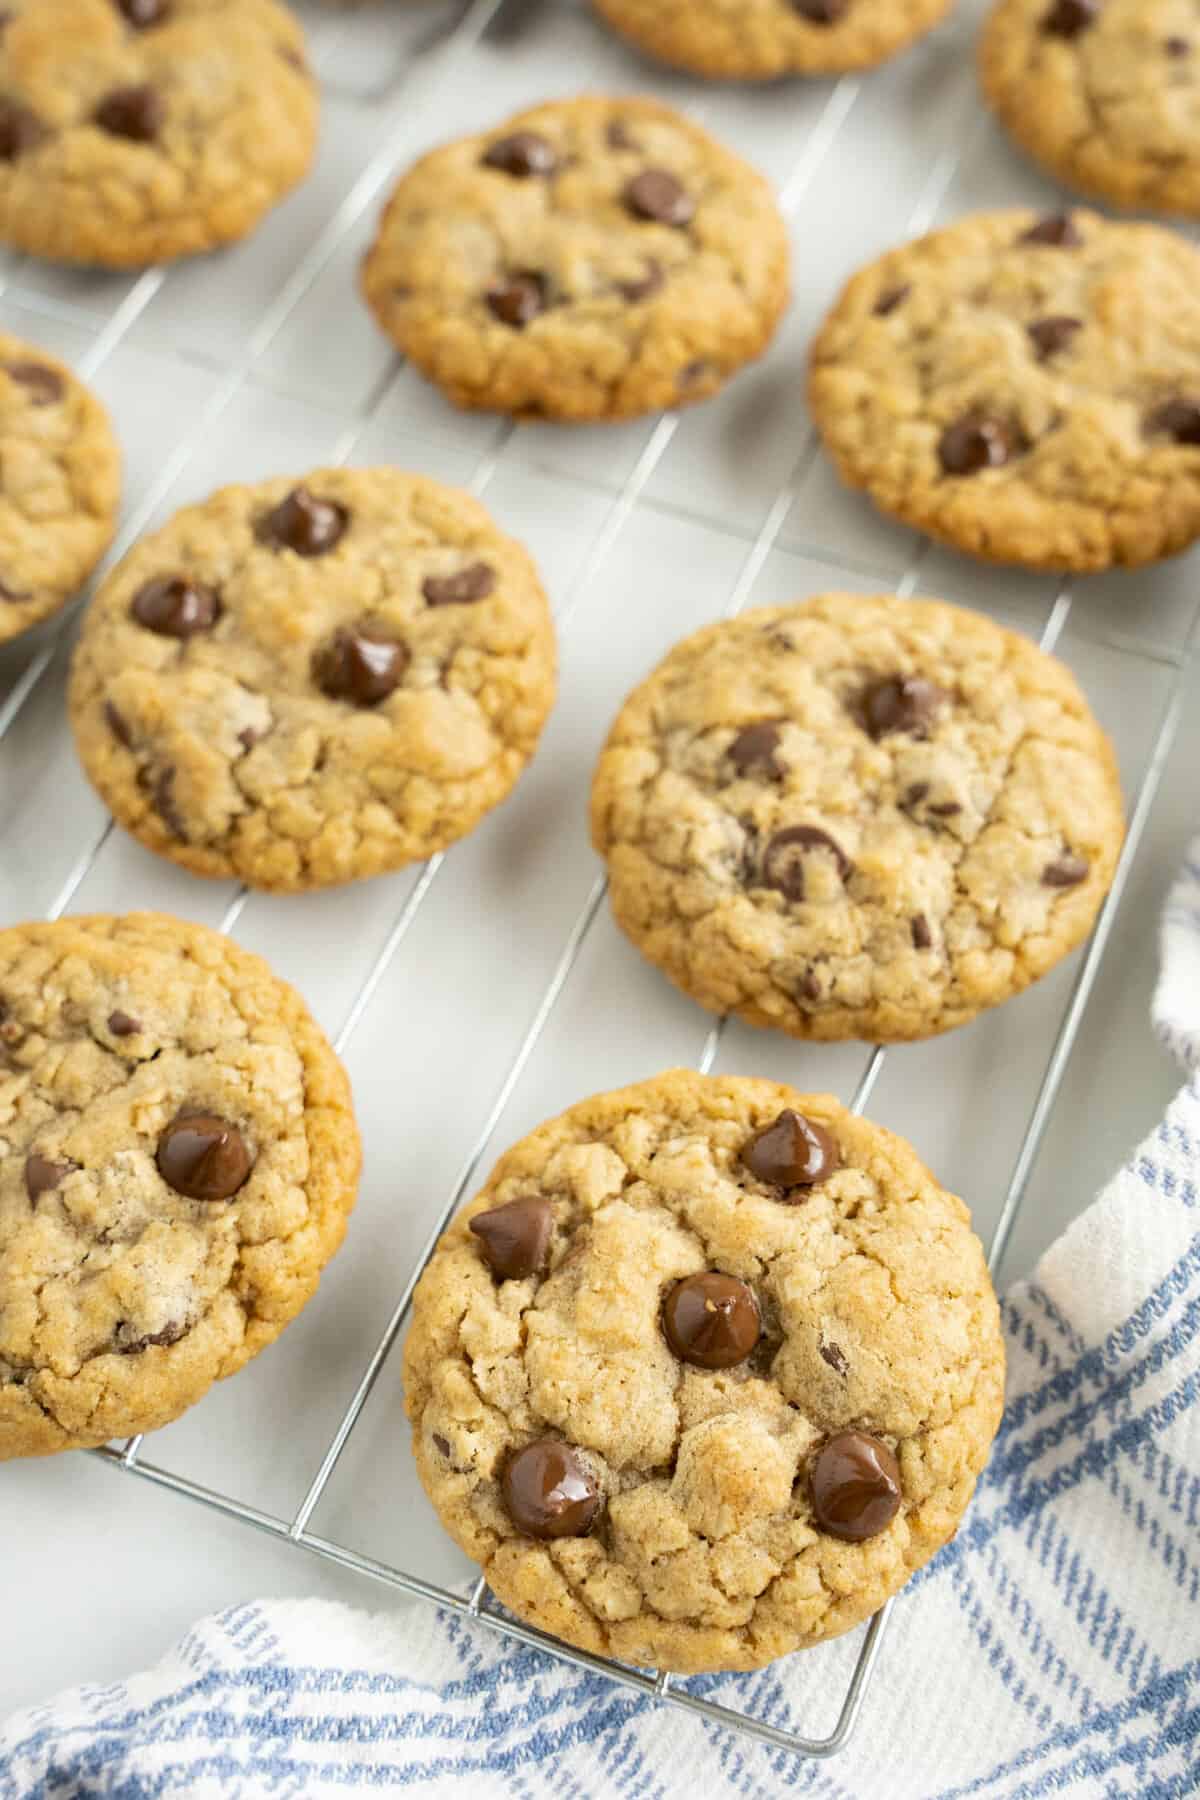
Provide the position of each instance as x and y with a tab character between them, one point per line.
1053	1647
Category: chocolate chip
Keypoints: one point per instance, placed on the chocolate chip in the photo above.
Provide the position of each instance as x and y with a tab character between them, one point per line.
1056	229
974	442
808	987
692	372
142	14
914	794
548	1490
122	1024
657	196
752	752
1178	419
518	299
855	1483
303	523
20	130
174	606
475	582
890	299
618	136
900	703
133	1346
791	1152
44	385
515	1237
820	12
945	809
922	937
117	725
834	1357
136	113
522	154
1067	870
162	793
711	1320
1177	46
441	1444
783	859
41	1174
248	737
203	1157
1067	18
359	667
644	286
1049	336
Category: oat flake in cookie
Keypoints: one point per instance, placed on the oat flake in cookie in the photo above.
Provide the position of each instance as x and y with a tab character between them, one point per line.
590	259
751	40
178	1157
1024	388
740	1394
313	680
134	131
60	485
857	817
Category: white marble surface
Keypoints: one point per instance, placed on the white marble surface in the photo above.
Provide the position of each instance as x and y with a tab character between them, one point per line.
101	1571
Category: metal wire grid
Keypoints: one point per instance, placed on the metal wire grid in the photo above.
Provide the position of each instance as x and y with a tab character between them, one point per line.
437	70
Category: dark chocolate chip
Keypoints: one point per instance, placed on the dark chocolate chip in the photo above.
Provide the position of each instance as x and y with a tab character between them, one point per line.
922	937
914	794
518	299
133	1346
303	523
657	196
645	286
1178	419
890	299
44	385
515	1237
900	703
1056	229
783	858
974	442
203	1157
855	1482
808	987
41	1174
1067	18
820	12
548	1490
836	1359
441	1444
752	752
136	113
162	793
123	1024
117	725
1049	336
359	667
142	14
1067	870
711	1320
463	588
522	154
1177	46
20	130
791	1152
174	606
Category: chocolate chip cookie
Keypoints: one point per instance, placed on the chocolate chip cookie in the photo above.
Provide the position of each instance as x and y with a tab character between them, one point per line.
752	40
178	1157
1026	389
1103	93
305	683
705	1372
60	485
857	817
133	131
588	259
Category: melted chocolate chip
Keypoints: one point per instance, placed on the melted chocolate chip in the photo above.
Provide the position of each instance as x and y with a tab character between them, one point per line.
523	153
162	793
890	299
1049	336
1056	229
359	667
174	606
618	136
975	442
133	1346
855	1483
515	1238
711	1320
900	703
248	737
475	582
142	14
657	196
1067	870
203	1157
441	1444
43	385
41	1174
303	523
692	372
946	809
791	1152
783	858
644	286
836	1359
752	752
820	12
123	1024
518	299
548	1490
136	113
20	130
808	987
1176	47
117	725
922	937
1067	18
1178	419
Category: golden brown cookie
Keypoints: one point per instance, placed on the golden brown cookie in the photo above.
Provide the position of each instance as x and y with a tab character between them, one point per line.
134	131
706	1370
752	40
178	1157
1026	389
589	259
857	817
300	685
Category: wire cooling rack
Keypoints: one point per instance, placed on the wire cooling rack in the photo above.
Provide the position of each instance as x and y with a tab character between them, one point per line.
705	512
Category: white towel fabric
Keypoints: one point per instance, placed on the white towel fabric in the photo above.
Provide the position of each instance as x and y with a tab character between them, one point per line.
1053	1646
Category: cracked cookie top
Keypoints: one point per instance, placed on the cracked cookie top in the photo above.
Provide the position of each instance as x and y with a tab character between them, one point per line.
590	258
736	1387
60	484
178	1156
757	39
305	683
133	131
857	817
1023	388
1104	93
